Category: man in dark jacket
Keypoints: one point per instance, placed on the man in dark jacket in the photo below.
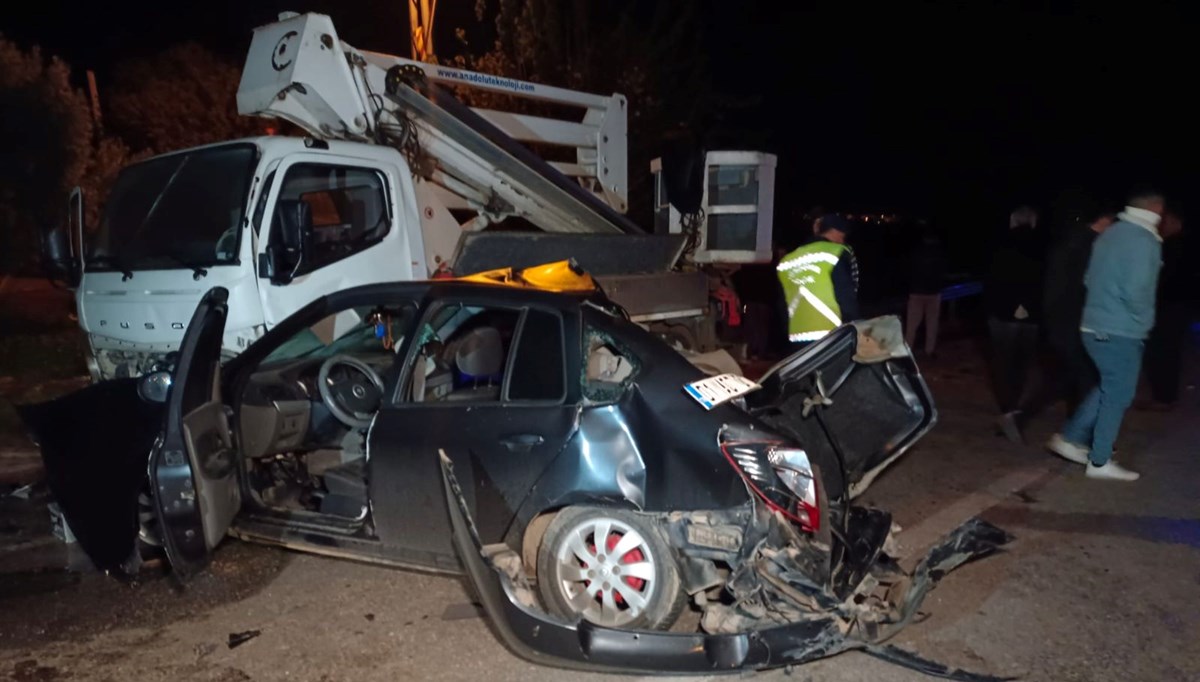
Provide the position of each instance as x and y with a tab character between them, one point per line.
1068	373
1164	348
1063	307
1013	298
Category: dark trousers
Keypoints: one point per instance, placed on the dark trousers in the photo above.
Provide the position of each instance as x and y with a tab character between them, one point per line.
1013	350
1063	371
1164	352
1066	373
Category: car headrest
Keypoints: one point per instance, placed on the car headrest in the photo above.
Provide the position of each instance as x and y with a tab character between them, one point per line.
481	353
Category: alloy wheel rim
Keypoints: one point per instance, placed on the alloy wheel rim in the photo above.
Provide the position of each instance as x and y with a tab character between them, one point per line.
605	570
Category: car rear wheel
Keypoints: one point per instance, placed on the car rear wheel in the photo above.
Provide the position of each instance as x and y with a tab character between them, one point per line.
611	567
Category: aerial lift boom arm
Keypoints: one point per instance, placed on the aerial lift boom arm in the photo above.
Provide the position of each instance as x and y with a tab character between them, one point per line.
300	71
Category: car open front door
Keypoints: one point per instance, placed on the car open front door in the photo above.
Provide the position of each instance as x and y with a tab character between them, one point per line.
855	401
193	471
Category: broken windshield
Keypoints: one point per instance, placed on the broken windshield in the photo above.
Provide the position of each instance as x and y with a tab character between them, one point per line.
181	209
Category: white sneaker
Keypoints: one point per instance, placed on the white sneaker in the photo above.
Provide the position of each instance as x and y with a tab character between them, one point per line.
1067	450
1112	472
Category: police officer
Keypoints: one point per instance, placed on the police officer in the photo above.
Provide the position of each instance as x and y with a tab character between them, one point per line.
820	282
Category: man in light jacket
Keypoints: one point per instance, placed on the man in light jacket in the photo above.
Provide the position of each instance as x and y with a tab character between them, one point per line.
1121	281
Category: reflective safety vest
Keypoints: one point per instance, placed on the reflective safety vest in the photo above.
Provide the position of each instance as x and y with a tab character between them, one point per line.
807	278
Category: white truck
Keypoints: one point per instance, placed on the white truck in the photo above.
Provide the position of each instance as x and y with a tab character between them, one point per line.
396	179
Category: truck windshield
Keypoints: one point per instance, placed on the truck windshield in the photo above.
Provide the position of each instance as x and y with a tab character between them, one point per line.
181	210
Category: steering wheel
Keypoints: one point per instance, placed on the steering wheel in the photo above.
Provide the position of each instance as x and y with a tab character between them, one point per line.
350	389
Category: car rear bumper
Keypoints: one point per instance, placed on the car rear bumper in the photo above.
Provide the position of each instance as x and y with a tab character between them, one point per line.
794	623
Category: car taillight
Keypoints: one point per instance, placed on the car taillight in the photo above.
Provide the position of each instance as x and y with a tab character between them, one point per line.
792	467
782	477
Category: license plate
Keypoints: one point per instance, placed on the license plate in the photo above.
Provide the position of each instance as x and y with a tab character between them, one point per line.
720	389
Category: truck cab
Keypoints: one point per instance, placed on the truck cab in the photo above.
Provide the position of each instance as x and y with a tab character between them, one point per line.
278	221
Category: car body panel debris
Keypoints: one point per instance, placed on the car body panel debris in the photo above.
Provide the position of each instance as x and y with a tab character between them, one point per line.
236	639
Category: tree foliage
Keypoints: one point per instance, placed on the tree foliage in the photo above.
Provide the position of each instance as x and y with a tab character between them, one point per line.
183	97
50	145
650	52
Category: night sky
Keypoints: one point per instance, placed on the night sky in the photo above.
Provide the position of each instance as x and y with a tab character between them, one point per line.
953	110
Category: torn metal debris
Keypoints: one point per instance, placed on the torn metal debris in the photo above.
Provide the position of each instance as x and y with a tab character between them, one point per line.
236	639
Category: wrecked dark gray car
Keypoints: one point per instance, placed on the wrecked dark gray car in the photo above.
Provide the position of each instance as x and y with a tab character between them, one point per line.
591	481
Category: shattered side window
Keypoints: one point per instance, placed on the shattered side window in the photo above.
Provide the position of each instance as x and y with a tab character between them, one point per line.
608	369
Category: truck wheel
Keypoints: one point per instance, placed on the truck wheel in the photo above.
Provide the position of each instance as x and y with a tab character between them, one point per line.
678	336
611	567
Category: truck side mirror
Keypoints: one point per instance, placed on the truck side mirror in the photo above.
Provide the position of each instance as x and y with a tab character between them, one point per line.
289	244
58	262
62	247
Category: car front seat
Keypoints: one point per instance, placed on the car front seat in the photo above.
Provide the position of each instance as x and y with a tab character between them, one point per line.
480	360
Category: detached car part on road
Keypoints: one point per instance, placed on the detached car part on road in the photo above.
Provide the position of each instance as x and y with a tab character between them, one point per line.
588	478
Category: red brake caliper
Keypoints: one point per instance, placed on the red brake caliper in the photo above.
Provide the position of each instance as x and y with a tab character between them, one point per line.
633	556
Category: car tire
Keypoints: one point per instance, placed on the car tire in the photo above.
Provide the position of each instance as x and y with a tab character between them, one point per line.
638	590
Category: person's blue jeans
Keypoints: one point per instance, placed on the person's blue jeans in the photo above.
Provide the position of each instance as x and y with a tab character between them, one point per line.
1098	419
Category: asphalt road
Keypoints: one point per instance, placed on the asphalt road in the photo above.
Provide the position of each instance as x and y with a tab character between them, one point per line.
1101	582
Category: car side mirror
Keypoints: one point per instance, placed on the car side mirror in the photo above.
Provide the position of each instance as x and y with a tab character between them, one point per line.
155	387
288	248
58	262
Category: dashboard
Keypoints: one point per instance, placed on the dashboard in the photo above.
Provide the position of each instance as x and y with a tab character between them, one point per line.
282	409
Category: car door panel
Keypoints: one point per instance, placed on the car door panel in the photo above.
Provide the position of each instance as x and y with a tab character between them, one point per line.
193	471
508	451
502	447
213	461
404	469
402	473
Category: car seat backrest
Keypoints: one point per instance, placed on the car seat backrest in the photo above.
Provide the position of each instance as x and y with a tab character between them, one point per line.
481	353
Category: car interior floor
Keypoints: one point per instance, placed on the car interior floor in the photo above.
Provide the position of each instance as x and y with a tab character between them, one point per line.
329	482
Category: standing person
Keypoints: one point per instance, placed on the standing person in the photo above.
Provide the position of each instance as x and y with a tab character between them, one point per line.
927	272
820	282
1012	297
1164	348
1062	308
1122	281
